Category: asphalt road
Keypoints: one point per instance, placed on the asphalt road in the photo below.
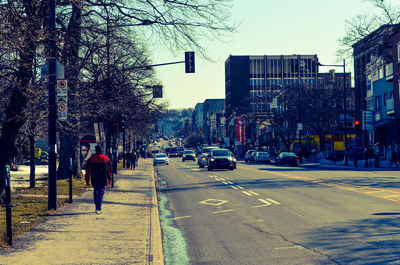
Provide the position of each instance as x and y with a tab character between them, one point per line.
264	214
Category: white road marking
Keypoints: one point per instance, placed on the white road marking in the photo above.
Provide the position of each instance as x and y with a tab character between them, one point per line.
222	179
235	188
223	211
230	182
226	183
254	193
240	187
213	202
247	193
292	247
266	203
181	217
271	200
253	221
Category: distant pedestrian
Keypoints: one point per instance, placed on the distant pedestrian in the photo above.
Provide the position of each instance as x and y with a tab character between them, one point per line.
98	171
355	159
137	158
393	158
133	159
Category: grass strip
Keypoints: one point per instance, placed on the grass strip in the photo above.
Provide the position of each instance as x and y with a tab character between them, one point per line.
30	210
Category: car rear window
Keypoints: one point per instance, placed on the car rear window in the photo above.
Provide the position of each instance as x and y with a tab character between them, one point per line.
221	153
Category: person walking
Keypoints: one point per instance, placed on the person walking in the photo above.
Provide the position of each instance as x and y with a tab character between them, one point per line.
133	159
355	159
393	158
99	173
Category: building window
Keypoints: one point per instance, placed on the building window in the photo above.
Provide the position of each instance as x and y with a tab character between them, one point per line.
384	99
369	82
378	103
381	73
398	52
389	69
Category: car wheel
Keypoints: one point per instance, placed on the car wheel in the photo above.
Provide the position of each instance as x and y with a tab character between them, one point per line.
201	166
231	168
183	160
209	168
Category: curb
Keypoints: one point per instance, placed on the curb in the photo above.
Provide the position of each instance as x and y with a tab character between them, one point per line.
156	247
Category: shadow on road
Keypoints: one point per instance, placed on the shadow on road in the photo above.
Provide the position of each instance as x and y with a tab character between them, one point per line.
368	241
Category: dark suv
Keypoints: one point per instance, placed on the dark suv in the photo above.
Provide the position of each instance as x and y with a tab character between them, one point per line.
221	158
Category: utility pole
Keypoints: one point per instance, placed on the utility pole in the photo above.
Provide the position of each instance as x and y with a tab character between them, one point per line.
52	141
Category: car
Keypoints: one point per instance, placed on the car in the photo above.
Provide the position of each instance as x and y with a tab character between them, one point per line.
287	158
171	151
180	151
221	158
188	155
161	158
155	151
261	157
202	158
248	155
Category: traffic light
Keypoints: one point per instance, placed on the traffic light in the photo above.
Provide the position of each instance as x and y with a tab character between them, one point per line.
357	125
189	62
201	130
113	126
122	125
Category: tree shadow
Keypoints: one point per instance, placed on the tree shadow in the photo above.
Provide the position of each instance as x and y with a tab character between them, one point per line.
368	241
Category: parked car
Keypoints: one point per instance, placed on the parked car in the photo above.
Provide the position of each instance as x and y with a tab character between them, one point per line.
247	157
287	158
160	159
202	158
221	158
188	155
261	157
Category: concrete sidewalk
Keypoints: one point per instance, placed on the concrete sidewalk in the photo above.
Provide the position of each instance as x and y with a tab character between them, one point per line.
128	231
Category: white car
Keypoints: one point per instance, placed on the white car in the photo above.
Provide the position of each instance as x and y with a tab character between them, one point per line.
261	157
160	159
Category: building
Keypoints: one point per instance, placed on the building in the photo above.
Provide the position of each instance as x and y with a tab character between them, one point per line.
377	77
255	87
251	85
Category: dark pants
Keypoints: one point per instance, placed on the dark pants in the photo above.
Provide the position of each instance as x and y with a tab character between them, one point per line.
98	194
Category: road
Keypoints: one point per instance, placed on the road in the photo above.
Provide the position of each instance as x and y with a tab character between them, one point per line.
264	214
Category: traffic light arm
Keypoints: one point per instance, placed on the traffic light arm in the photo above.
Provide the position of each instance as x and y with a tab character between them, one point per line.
154	65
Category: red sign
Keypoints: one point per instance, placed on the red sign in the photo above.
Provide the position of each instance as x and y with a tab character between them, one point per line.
240	130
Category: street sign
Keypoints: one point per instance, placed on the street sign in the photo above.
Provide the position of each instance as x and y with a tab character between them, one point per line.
60	72
368	120
62	111
299	126
189	62
62	87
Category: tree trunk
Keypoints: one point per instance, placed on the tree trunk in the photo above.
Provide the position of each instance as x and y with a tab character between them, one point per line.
69	137
32	161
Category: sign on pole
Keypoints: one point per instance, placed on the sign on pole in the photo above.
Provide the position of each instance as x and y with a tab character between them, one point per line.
62	99
368	120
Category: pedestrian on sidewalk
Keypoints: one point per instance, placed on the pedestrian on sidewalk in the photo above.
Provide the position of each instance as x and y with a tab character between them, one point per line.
133	159
98	171
393	158
355	159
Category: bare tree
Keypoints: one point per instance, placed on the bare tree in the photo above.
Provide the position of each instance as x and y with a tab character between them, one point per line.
360	26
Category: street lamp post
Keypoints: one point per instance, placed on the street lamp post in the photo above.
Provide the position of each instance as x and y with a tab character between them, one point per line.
344	103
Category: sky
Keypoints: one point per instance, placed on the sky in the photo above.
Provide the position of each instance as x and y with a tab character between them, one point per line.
266	27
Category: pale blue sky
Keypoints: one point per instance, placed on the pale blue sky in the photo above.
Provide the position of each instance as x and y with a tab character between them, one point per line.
266	27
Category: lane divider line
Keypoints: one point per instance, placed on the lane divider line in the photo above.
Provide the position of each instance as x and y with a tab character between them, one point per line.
247	193
223	211
273	201
235	188
266	203
181	217
230	182
254	193
240	187
226	183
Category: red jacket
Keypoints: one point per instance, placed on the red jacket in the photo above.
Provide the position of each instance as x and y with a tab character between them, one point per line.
98	169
